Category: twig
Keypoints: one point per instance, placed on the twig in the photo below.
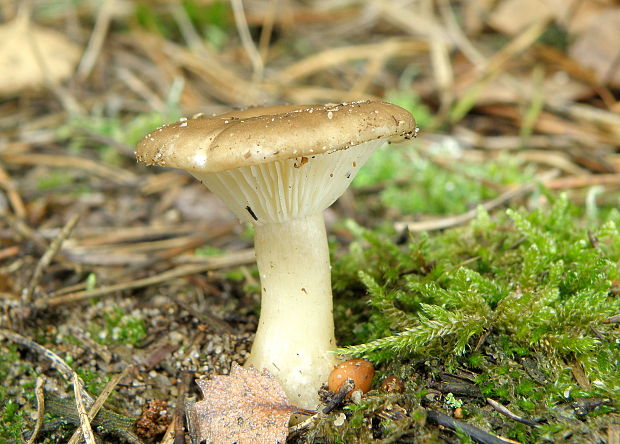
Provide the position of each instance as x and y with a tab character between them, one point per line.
615	319
474	433
114	423
101	399
95	43
504	411
305	423
584	181
115	175
87	431
14	198
40	394
267	29
47	257
246	40
336	56
346	388
451	221
239	258
179	413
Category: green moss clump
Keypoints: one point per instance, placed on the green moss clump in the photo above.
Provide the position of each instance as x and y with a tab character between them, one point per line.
517	301
119	327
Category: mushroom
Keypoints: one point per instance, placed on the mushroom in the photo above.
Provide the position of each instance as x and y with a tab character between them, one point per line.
278	168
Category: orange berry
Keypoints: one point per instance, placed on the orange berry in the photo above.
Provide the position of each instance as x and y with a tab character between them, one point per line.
360	370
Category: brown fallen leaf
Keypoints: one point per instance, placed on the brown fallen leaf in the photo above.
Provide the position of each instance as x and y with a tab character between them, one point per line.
595	48
248	406
30	55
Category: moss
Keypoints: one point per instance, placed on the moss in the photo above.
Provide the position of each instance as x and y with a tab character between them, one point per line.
516	299
119	327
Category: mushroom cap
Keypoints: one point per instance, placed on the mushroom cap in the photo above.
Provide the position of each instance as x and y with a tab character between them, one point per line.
264	134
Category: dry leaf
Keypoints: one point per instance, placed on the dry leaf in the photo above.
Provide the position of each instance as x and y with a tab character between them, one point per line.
249	406
597	48
513	16
30	55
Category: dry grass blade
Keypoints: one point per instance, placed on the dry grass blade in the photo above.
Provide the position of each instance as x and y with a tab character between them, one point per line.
246	40
504	411
86	429
101	399
114	175
40	395
97	38
233	259
337	56
47	258
14	198
564	183
451	221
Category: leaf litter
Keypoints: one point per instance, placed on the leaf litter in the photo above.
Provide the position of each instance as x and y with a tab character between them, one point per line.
247	406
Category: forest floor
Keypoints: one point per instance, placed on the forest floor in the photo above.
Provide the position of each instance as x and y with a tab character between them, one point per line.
479	264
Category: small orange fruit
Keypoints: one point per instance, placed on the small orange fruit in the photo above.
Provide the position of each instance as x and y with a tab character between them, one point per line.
360	370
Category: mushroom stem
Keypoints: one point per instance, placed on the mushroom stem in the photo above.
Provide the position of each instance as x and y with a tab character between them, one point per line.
296	328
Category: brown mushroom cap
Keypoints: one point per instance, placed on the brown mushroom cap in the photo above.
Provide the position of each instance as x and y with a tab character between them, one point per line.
265	134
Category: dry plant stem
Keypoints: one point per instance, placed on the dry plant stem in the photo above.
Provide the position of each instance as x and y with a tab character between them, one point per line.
48	256
346	388
246	40
14	198
504	411
116	175
86	429
177	422
612	319
447	222
585	181
474	433
296	305
102	24
40	394
233	259
101	399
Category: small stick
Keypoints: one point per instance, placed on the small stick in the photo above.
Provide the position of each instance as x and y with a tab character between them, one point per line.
480	436
47	257
179	413
246	40
583	181
615	319
87	431
97	38
14	198
40	394
305	423
116	175
101	399
346	388
504	411
447	222
242	257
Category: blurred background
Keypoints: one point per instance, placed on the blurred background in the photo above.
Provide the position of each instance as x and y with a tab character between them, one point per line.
516	101
505	92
